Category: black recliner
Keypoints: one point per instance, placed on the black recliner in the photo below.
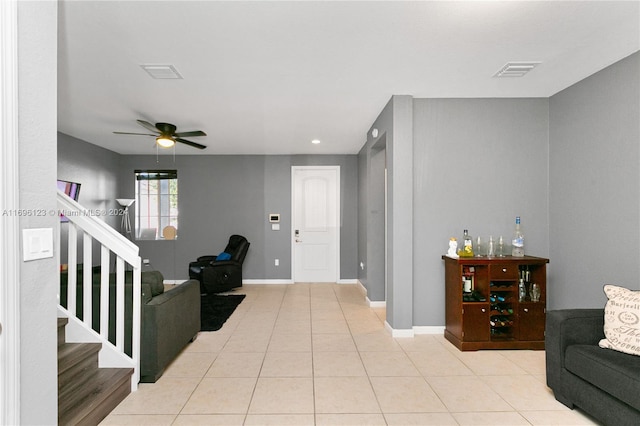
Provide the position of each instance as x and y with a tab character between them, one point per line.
218	275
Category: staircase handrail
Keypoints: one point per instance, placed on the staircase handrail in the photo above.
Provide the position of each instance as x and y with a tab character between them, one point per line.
98	229
125	251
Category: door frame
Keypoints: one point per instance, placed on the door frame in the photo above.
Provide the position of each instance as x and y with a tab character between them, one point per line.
338	216
9	227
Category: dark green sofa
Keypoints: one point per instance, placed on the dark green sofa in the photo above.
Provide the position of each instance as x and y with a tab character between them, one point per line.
169	320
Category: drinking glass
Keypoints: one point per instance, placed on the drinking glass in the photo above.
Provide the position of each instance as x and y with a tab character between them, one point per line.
478	250
500	250
491	248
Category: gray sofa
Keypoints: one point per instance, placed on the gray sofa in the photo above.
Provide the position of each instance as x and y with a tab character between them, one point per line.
602	382
169	320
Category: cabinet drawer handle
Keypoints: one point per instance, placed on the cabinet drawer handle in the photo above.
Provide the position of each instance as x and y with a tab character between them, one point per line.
484	310
504	270
526	309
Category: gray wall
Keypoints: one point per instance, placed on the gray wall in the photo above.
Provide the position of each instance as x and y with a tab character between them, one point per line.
223	195
478	163
372	160
393	147
97	170
372	163
472	163
37	49
595	186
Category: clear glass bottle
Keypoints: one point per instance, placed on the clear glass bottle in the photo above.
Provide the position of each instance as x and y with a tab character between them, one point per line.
535	292
522	291
467	245
517	244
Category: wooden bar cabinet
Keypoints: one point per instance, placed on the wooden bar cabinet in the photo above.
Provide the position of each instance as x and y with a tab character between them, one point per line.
484	307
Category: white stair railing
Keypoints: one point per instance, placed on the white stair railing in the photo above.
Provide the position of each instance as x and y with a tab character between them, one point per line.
85	222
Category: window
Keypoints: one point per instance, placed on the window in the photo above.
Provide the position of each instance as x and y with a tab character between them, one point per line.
156	204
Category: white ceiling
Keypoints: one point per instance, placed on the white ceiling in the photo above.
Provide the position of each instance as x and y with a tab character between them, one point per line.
268	77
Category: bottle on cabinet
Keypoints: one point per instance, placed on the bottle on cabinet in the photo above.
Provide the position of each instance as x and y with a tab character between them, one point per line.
517	244
522	290
468	275
467	245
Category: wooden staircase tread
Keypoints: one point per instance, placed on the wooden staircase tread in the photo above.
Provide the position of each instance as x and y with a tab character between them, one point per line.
105	387
87	393
70	355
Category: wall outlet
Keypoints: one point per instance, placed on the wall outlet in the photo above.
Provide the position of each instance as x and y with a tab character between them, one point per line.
277	262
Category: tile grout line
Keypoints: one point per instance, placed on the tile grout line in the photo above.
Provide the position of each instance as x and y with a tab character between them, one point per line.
363	364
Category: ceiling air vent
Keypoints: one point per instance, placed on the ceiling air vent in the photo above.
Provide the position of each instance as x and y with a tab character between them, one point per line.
162	71
515	69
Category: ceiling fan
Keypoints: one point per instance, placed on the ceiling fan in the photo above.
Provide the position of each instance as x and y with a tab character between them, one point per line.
166	136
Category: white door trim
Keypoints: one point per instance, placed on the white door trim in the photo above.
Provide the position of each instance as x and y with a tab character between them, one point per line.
338	215
9	224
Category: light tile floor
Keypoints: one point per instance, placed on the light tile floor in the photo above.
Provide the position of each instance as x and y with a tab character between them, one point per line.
316	354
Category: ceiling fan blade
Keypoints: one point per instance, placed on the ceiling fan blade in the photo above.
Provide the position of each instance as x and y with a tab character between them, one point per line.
193	144
187	134
127	133
166	128
148	126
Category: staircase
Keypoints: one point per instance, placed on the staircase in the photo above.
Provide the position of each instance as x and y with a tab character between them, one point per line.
86	393
95	373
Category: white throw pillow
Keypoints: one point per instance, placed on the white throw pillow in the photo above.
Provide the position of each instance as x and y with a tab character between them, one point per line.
621	320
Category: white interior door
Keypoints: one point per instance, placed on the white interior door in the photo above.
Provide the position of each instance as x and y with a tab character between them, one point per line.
316	223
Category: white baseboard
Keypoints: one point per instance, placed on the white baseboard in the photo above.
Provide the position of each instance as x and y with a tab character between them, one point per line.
428	329
415	330
399	332
381	304
173	282
275	281
376	304
270	281
243	281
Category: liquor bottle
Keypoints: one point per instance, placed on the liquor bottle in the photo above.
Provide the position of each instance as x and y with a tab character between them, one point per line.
522	291
468	273
466	283
517	244
467	245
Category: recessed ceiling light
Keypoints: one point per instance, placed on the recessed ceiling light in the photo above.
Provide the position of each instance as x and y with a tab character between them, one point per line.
516	69
162	71
315	141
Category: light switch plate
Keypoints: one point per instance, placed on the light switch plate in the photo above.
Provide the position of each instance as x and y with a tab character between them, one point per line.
37	243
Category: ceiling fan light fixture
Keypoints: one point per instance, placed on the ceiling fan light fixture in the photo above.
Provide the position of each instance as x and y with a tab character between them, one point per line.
165	141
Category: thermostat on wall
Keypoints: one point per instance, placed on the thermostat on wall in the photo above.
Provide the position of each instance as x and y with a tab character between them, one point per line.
274	217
